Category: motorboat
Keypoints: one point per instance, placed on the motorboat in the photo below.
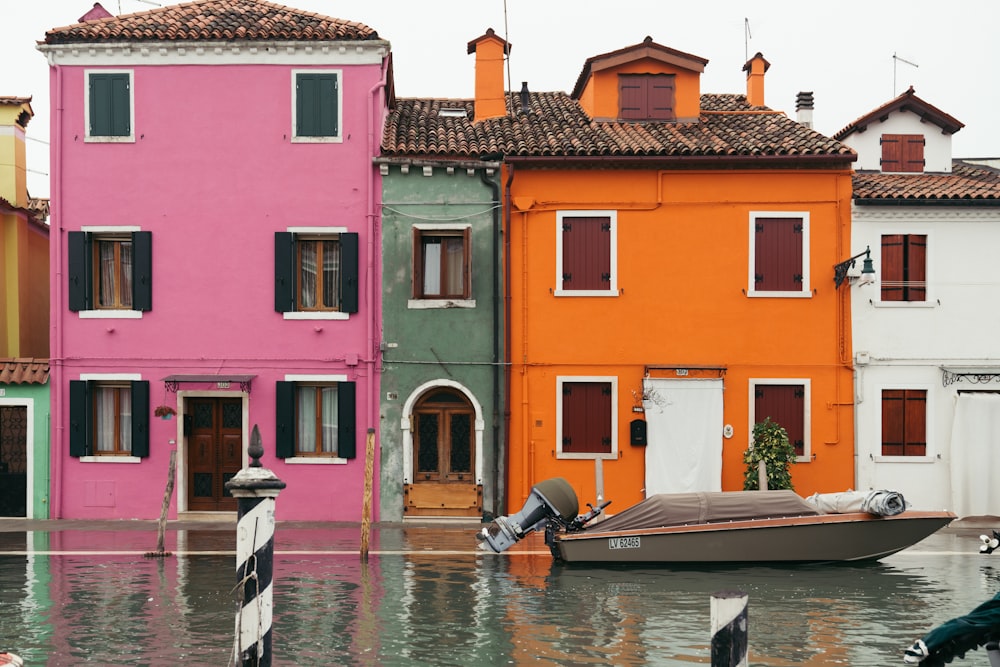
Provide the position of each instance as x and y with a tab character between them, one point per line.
706	528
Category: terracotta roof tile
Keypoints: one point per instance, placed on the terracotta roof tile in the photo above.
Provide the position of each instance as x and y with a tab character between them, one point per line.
965	182
907	101
24	371
224	20
556	125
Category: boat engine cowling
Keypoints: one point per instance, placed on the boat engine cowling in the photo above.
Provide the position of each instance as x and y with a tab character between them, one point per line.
553	498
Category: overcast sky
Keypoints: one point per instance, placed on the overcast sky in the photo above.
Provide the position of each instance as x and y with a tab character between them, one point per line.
841	51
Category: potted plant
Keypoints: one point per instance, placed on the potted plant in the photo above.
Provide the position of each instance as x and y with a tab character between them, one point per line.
164	412
772	448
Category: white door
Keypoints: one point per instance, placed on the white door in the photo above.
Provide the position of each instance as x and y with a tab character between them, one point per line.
684	435
975	455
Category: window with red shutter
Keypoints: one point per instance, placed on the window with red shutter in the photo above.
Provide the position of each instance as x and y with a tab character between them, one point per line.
586	254
904	422
778	253
586	417
785	404
646	97
904	267
903	152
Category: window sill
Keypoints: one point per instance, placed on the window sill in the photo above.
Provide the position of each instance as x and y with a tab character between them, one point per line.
905	459
316	315
110	314
317	140
317	460
904	304
780	295
110	459
130	139
427	304
585	292
588	456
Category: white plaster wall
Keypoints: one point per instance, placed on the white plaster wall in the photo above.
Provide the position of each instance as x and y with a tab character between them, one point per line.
937	150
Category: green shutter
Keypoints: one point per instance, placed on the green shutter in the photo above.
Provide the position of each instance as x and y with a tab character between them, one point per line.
140	418
316	109
347	432
142	271
79	418
284	272
110	104
284	437
79	276
349	270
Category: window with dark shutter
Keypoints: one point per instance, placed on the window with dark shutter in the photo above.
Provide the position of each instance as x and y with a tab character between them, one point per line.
904	267
110	105
109	418
586	253
316	419
316	272
778	252
903	152
317	112
646	97
586	418
110	271
785	405
904	422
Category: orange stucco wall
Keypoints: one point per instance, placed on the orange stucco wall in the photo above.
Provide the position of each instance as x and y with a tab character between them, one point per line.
683	240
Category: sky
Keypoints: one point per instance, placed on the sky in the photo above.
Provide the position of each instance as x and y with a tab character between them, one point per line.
854	56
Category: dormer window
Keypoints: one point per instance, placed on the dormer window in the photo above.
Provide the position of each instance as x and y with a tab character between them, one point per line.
903	152
646	97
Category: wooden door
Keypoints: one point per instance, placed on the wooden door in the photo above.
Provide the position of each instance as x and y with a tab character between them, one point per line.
215	452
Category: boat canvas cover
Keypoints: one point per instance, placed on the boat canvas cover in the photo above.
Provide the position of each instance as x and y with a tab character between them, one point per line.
677	509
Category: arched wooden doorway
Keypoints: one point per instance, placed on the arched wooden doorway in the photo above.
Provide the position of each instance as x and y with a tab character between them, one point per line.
444	452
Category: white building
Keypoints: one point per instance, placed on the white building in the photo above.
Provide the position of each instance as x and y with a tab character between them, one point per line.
927	331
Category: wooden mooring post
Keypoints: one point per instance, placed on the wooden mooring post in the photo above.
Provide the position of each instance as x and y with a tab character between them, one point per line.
729	629
255	489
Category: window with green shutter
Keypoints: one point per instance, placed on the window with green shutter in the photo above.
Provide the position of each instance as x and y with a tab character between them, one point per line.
109	104
317	105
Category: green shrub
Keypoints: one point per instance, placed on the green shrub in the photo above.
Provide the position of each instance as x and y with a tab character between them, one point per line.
770	445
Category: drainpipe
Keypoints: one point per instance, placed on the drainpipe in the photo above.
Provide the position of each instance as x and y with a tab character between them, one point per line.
506	328
57	446
373	332
497	354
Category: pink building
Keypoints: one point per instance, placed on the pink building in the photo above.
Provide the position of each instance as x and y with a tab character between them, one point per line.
214	254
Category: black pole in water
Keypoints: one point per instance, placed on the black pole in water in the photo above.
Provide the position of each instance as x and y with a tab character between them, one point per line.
255	489
729	629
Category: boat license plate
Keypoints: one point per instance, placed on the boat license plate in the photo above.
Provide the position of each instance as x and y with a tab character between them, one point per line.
623	542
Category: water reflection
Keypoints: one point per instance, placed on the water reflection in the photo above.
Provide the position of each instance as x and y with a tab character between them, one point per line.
451	608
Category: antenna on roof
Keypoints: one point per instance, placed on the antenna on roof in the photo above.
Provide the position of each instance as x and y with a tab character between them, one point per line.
896	59
506	36
746	37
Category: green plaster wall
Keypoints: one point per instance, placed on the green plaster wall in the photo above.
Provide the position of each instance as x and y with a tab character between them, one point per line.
427	347
36	398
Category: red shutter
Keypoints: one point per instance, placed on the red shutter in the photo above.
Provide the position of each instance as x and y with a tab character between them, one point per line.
418	264
892	267
892	152
915	422
586	253
913	153
785	405
892	422
586	426
661	97
778	255
631	98
916	268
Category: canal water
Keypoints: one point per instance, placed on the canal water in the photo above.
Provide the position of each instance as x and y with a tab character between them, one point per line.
427	597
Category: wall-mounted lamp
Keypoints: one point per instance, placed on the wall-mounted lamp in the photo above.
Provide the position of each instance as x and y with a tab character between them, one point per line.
867	269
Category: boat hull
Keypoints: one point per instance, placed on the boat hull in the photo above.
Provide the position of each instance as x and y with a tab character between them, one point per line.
806	539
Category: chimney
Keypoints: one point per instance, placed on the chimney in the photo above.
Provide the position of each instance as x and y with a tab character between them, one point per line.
98	12
525	98
491	100
15	112
804	108
755	68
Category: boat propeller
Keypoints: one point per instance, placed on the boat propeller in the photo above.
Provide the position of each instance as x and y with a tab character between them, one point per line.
552	499
989	543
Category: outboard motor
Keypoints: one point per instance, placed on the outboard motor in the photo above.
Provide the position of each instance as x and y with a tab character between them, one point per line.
552	499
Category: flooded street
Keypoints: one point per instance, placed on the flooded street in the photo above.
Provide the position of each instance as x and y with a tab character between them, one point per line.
427	597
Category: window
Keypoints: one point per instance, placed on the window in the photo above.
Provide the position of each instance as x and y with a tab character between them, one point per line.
110	271
587	417
904	267
786	403
316	98
904	422
109	418
316	274
316	418
109	106
586	253
780	264
646	97
441	264
903	152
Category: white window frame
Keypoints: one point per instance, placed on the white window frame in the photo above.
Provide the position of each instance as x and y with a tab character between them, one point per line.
110	313
315	460
102	139
930	452
111	377
613	218
339	138
806	291
806	411
315	314
574	379
929	300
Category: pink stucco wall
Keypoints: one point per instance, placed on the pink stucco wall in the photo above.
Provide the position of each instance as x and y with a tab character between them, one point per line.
213	173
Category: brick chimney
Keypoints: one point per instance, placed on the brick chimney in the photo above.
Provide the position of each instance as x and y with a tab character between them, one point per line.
804	108
755	68
15	112
490	97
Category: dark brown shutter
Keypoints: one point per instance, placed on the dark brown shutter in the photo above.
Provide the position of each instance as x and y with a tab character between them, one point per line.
631	98
892	267
778	255
661	97
586	253
892	422
892	152
586	426
913	152
785	405
418	264
915	273
904	422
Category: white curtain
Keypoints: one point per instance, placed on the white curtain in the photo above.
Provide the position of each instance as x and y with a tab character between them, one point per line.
684	435
975	455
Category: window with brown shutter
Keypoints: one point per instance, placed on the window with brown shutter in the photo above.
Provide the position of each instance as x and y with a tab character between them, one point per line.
785	405
903	152
646	97
441	264
904	267
586	417
778	252
904	422
586	253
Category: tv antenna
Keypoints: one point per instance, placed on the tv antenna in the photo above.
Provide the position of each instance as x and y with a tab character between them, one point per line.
896	59
746	39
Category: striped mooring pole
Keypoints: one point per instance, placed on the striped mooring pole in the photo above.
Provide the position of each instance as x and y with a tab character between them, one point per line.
729	629
255	489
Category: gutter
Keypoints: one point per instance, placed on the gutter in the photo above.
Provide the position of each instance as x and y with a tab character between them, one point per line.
961	203
688	161
497	350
